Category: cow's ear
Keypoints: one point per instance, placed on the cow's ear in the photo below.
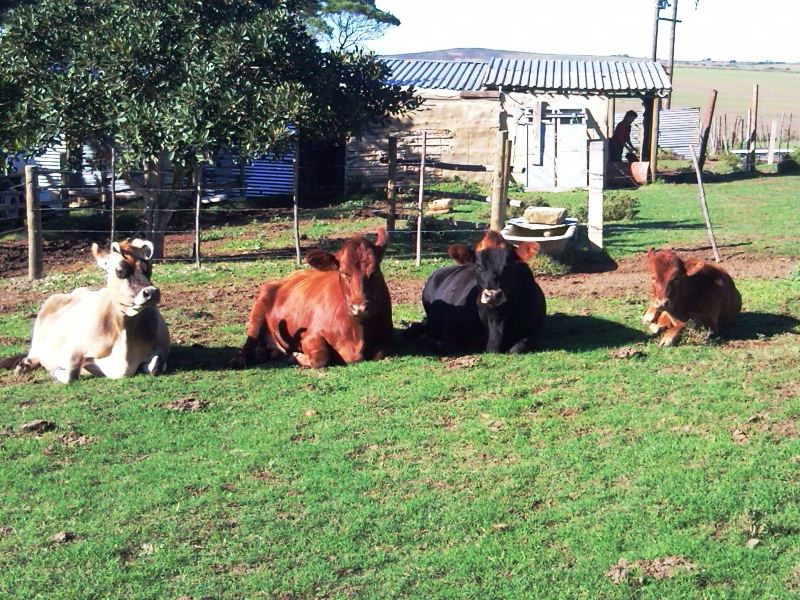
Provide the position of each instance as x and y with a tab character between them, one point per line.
527	250
99	256
321	260
381	237
461	253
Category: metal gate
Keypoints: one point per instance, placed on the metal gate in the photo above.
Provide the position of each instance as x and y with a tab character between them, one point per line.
556	149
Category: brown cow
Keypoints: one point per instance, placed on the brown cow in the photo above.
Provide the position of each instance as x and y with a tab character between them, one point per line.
115	331
339	311
688	289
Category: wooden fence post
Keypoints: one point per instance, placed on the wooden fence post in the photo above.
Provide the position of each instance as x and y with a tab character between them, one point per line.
751	142
391	184
597	166
703	205
418	260
198	184
34	221
66	178
654	137
506	177
113	193
708	116
772	134
296	202
498	209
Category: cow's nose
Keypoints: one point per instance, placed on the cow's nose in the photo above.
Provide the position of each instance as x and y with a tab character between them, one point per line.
492	297
151	294
360	310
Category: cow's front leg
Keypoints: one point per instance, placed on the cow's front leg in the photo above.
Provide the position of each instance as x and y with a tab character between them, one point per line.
315	353
651	314
70	372
155	366
673	327
522	346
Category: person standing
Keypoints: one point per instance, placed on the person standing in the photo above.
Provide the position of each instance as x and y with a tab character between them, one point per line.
622	136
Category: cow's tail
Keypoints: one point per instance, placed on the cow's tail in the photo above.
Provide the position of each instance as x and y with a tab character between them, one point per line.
11	362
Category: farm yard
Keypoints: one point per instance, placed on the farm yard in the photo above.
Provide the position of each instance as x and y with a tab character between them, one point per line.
599	466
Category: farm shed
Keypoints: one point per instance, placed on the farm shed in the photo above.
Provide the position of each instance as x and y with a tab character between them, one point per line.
550	108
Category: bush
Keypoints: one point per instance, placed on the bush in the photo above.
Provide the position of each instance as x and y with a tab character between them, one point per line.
617	206
732	161
790	163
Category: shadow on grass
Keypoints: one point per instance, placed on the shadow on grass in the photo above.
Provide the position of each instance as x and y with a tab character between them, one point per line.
689	176
571	333
575	333
197	357
761	325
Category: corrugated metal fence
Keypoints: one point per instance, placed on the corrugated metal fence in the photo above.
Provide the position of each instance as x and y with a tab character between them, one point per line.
678	128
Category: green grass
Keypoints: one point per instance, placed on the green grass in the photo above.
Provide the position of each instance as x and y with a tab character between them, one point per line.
479	477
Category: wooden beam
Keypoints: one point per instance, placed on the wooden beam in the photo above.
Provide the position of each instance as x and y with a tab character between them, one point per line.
708	117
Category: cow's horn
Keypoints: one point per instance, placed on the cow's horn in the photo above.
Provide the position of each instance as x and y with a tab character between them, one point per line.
148	248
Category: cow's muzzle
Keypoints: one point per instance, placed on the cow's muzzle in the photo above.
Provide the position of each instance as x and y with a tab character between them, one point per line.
493	297
148	296
360	311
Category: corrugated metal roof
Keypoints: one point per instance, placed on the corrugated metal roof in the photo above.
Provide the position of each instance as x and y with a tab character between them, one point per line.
436	74
596	76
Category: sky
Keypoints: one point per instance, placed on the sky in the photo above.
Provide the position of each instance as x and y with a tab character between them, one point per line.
716	29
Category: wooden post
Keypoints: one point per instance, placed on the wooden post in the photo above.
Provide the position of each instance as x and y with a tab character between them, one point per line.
597	166
34	221
198	185
296	202
708	116
498	209
703	205
654	138
113	193
655	30
772	134
391	184
780	137
671	66
418	260
751	144
725	133
66	178
506	175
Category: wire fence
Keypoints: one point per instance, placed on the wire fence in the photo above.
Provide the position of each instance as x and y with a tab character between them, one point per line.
200	220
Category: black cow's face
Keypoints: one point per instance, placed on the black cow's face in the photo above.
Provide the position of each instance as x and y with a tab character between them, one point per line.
493	271
495	261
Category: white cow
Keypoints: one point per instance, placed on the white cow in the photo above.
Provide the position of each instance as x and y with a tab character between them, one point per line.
115	331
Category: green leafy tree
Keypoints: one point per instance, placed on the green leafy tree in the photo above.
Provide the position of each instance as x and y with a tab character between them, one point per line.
171	83
346	24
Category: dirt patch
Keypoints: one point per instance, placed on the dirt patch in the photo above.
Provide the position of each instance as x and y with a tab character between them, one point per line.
36	427
461	362
185	405
658	568
405	291
627	352
630	280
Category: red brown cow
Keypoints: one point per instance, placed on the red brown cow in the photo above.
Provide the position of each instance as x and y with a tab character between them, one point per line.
688	289
339	311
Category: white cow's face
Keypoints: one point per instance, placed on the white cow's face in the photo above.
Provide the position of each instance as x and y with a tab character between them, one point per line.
128	270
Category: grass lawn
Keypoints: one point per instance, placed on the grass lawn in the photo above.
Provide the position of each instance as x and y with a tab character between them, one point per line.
599	467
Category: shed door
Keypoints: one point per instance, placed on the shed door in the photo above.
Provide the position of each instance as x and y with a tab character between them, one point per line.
571	153
541	167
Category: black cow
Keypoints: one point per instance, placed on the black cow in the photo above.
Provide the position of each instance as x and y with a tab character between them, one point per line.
488	302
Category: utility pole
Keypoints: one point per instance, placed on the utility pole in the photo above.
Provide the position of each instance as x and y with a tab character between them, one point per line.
673	23
655	29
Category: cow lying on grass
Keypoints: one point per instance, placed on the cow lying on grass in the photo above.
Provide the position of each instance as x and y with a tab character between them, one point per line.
115	331
488	302
339	311
688	289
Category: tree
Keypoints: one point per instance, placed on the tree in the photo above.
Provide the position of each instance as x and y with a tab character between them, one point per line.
171	83
346	24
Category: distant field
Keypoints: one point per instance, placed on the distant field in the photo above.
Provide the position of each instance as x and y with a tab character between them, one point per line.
779	91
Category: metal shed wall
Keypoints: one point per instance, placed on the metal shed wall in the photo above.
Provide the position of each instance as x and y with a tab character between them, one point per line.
678	128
